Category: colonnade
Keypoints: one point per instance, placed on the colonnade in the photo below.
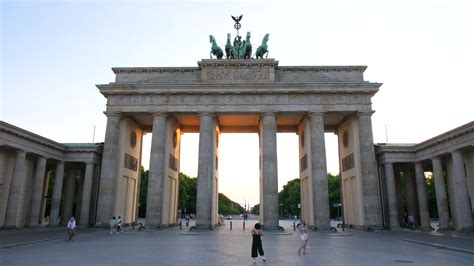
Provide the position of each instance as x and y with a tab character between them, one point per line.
451	186
161	208
24	191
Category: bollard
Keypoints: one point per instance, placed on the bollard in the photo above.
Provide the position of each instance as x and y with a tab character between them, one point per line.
230	225
180	225
244	225
294	226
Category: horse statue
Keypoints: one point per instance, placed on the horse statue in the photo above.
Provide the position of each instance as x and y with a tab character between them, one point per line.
248	47
229	49
262	49
215	49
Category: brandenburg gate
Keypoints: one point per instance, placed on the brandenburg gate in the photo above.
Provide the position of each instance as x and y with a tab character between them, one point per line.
238	95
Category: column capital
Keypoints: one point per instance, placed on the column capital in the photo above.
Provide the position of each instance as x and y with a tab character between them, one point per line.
211	114
366	112
113	114
159	114
321	113
263	114
21	152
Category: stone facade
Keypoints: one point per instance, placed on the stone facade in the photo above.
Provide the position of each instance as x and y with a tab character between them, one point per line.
259	96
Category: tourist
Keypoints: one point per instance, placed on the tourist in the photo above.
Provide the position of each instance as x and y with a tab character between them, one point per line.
304	238
71	226
119	224
411	222
112	224
257	234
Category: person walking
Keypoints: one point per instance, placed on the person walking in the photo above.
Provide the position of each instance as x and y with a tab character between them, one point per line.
304	238
119	224
257	234
112	224
71	227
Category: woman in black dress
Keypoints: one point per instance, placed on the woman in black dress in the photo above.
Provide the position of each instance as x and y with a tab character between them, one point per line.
257	242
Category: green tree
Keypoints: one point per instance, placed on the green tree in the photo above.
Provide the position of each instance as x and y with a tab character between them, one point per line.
289	198
255	209
187	193
227	206
143	192
334	191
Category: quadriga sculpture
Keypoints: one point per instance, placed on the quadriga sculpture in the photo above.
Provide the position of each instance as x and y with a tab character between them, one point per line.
262	49
215	49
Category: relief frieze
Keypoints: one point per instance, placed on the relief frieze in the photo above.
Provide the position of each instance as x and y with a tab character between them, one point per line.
237	74
239	99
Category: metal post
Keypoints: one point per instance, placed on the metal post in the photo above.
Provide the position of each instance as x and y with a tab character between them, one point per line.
294	226
244	225
180	225
230	225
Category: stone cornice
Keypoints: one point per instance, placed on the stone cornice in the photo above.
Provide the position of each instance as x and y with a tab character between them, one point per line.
144	88
237	62
415	148
19	132
459	131
84	147
141	70
322	68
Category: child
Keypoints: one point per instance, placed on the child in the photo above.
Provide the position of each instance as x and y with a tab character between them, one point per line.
304	238
257	242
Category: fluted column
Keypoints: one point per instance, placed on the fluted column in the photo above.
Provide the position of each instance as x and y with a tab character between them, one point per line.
86	194
370	184
422	199
40	173
319	173
16	202
109	170
441	197
205	171
392	196
69	195
57	193
461	195
156	176
269	176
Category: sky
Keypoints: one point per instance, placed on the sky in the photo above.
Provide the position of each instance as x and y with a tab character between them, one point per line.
53	53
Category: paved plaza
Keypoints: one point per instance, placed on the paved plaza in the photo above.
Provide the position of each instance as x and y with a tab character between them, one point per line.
232	247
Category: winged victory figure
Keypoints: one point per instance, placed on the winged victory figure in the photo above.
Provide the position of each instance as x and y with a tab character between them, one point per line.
237	20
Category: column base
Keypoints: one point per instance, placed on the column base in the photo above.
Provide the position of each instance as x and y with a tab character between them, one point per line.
202	227
272	227
425	228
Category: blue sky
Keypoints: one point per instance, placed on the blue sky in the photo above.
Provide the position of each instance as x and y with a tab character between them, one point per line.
53	53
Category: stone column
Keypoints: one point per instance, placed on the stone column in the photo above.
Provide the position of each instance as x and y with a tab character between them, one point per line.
69	195
86	194
461	196
410	190
109	170
57	194
392	196
6	171
441	197
16	212
319	174
269	177
37	191
205	171
370	183
156	178
422	199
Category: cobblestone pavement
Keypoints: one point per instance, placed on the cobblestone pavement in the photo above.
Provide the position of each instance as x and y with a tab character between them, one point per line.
232	247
